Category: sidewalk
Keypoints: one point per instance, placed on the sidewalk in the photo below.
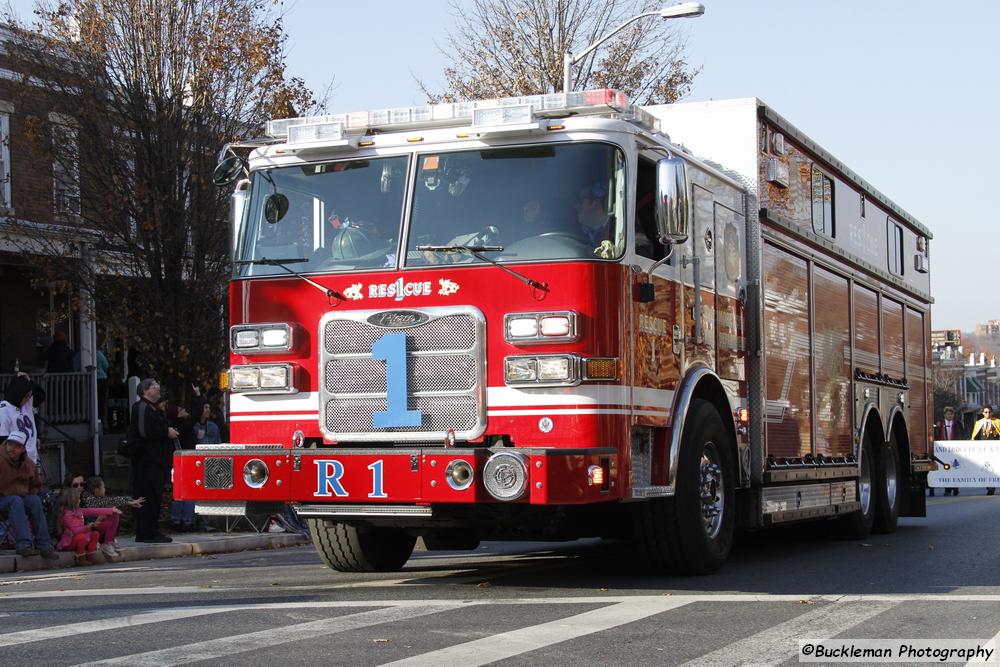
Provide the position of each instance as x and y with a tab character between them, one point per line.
184	544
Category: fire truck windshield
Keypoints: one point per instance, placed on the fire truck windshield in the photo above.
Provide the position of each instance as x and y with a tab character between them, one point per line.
540	202
342	216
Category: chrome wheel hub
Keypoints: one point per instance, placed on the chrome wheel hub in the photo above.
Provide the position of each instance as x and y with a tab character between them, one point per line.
712	491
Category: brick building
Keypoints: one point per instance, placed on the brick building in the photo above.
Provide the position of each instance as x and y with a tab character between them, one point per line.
39	206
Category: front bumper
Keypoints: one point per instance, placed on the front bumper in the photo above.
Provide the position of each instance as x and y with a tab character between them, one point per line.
411	476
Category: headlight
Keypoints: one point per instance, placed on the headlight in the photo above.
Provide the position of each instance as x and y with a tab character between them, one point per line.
552	327
274	377
248	338
255	473
261	338
244	377
263	379
549	370
553	368
520	369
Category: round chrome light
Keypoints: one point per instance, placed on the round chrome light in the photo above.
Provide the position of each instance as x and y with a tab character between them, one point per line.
505	476
255	473
459	474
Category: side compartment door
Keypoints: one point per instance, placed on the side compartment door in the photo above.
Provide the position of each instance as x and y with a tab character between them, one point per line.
697	262
730	338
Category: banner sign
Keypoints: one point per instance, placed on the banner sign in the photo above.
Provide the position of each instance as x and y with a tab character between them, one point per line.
966	463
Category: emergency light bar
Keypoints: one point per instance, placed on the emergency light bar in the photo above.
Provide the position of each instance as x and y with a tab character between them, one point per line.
480	114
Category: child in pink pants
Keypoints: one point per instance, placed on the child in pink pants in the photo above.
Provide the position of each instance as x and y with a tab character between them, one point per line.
79	532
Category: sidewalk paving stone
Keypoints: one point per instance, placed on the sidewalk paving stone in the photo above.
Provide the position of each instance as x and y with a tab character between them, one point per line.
186	544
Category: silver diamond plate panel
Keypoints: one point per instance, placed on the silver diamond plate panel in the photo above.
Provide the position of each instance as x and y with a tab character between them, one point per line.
440	413
218	473
445	373
364	375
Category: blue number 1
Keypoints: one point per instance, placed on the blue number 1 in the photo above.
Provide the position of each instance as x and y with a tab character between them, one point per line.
392	348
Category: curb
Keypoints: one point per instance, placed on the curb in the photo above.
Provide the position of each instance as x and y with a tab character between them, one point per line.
15	563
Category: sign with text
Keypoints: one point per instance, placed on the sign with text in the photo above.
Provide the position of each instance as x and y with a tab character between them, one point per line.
966	463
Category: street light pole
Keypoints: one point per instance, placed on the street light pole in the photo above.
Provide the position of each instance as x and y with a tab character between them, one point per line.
683	10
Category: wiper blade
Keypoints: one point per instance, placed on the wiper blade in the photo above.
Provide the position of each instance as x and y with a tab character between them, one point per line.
460	248
281	263
264	261
476	251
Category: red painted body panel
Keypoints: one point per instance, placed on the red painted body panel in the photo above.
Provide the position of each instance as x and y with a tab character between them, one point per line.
411	476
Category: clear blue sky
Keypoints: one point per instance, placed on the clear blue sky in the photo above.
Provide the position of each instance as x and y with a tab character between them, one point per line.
905	93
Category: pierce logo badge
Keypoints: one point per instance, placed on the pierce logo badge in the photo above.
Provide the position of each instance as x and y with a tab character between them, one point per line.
398	319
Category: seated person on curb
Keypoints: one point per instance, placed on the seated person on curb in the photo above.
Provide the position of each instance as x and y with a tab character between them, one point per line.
19	485
81	532
94	496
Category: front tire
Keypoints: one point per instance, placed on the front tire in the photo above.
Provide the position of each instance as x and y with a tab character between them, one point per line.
692	533
347	548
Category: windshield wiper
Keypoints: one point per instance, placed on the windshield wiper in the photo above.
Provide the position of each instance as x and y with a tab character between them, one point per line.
282	263
476	251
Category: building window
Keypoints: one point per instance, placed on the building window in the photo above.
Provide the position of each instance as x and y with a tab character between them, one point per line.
822	204
862	204
65	170
895	245
5	161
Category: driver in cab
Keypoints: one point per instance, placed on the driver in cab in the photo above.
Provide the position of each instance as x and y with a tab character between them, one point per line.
593	218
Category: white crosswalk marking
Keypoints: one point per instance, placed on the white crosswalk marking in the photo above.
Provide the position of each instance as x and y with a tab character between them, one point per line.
229	646
71	629
513	643
781	642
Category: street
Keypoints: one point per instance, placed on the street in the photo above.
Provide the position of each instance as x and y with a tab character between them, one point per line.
559	604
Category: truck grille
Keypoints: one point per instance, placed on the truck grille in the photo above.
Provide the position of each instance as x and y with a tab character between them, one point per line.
445	375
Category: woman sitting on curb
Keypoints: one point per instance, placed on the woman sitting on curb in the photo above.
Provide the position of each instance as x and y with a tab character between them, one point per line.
81	535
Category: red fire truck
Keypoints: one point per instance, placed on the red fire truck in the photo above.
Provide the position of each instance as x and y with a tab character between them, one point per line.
561	316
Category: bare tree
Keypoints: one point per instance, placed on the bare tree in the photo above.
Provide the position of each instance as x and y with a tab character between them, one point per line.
139	96
503	48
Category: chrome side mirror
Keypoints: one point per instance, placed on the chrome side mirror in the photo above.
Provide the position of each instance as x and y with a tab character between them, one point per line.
673	203
237	207
228	171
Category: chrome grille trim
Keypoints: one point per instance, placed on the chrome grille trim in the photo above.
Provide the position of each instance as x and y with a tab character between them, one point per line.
446	375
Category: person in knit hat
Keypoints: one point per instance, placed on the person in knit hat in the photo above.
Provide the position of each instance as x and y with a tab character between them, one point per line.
17	411
19	485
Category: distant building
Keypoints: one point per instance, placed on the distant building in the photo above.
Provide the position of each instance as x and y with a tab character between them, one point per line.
991	329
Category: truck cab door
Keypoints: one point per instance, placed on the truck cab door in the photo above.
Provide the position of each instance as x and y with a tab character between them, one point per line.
657	352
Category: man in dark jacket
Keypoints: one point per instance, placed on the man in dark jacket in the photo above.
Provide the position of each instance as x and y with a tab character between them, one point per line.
19	485
152	442
949	429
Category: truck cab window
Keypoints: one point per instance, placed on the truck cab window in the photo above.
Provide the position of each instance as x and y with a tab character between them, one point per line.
646	238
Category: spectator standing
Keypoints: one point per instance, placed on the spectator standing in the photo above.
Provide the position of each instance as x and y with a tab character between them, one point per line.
987	428
152	440
949	429
19	485
17	411
60	355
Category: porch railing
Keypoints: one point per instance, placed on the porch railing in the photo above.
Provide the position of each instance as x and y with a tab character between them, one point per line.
68	396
